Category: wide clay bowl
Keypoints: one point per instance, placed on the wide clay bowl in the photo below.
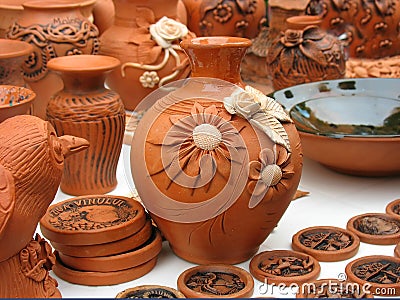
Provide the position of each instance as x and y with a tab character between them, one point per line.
14	100
348	125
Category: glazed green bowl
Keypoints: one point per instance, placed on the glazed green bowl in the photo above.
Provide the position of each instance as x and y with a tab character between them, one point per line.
348	125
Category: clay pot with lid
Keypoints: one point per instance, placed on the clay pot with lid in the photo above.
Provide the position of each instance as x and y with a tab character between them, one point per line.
54	29
215	185
304	53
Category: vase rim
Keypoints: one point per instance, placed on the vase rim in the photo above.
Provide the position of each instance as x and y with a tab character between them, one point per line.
83	63
216	41
14	48
56	4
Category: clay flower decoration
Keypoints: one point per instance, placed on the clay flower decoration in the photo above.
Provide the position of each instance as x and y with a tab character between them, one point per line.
304	40
265	114
152	39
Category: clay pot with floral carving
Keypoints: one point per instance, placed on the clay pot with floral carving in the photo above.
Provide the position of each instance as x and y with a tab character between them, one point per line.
215	162
86	108
304	53
226	17
53	28
145	37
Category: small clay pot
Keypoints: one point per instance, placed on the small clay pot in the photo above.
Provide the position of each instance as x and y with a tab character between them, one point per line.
15	100
131	242
93	219
326	243
150	291
379	271
216	281
393	208
117	262
284	267
376	228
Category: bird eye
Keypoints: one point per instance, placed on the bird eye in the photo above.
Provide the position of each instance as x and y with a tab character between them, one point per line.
56	149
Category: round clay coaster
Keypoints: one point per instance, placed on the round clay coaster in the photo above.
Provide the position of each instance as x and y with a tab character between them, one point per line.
135	240
117	262
216	281
284	267
92	219
332	288
380	273
102	278
150	291
393	208
397	250
326	243
376	228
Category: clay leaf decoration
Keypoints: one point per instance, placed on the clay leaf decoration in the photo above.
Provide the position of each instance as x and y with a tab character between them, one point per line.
261	111
7	197
386	8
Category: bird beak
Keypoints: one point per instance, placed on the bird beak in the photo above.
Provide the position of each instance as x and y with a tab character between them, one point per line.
72	144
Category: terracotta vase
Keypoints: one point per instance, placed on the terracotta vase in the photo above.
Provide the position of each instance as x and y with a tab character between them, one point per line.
12	56
200	167
304	53
145	37
31	164
53	28
10	10
369	29
86	108
226	17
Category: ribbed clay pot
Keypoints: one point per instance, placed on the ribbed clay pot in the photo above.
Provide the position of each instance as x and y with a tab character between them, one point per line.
304	53
215	184
86	108
226	17
145	37
54	29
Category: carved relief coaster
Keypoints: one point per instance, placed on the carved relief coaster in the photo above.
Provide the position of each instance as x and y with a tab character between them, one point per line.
102	278
376	228
93	219
118	262
381	272
133	241
393	208
397	250
150	291
284	267
216	281
326	243
332	288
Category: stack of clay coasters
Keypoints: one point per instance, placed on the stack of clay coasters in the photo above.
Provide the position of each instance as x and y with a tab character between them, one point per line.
101	239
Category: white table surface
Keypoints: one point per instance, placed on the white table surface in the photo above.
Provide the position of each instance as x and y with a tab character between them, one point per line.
334	198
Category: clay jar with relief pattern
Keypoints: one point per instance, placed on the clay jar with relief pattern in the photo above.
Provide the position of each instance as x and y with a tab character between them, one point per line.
145	37
54	28
215	162
86	108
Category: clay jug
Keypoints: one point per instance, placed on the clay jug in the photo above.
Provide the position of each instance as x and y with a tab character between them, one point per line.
145	37
214	174
86	108
12	56
304	53
53	28
226	17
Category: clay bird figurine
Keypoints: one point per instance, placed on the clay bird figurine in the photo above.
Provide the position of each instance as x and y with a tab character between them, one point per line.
31	166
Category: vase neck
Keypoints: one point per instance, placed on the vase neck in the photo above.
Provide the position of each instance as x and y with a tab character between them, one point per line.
81	83
217	57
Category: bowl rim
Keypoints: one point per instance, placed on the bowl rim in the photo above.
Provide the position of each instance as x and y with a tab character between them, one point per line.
287	98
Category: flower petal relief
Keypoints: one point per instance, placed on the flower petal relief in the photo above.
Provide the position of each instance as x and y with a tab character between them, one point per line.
166	34
265	114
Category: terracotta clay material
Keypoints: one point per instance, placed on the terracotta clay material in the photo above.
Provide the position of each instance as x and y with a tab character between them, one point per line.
15	100
326	243
216	281
381	272
332	288
393	208
376	228
92	219
284	267
397	250
131	242
126	260
102	278
150	291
